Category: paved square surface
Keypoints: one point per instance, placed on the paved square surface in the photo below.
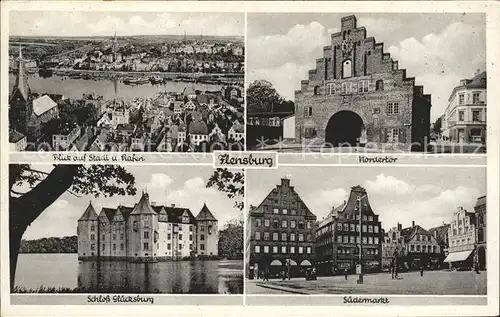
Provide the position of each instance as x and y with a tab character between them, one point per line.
433	282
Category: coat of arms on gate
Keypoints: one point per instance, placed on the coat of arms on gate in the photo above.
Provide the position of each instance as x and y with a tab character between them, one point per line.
347	46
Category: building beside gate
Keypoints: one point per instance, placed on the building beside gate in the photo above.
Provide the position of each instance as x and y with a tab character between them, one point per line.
480	215
338	237
357	94
282	230
146	233
464	119
462	239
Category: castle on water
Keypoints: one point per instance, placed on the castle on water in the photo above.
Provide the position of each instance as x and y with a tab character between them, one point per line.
146	233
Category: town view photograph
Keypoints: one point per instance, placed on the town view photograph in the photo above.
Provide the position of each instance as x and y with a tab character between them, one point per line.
417	231
115	229
125	81
367	82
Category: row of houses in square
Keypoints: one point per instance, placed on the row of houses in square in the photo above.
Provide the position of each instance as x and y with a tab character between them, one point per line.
285	236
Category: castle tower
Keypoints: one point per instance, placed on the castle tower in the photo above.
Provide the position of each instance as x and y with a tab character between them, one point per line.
20	101
207	234
143	230
87	232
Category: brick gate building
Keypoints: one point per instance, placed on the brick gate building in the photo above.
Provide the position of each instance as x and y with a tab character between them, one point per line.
357	94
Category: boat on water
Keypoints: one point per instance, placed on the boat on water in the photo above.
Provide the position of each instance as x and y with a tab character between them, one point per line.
135	81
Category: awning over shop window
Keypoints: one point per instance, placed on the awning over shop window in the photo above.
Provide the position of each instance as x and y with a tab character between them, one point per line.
458	256
305	263
276	263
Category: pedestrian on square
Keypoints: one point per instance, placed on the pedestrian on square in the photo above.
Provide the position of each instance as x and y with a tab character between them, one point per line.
345	274
392	270
421	270
266	275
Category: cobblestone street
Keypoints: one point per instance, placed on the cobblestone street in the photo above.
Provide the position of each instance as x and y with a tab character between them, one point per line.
433	282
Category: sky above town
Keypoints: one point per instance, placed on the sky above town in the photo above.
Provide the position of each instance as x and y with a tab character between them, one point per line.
183	186
437	49
91	23
428	195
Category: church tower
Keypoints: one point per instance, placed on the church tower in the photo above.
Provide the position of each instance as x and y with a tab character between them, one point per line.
20	101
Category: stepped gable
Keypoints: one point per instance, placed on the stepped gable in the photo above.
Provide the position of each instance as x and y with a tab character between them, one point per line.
89	213
284	181
205	214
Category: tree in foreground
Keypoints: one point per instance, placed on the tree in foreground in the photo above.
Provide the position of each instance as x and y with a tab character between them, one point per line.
231	240
232	183
45	188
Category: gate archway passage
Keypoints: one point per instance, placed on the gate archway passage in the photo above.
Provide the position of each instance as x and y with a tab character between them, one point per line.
344	128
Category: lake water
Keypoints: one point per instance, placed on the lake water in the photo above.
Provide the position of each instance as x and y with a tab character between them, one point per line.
195	277
108	88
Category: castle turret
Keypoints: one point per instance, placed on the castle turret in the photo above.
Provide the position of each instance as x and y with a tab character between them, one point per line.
87	232
143	232
207	234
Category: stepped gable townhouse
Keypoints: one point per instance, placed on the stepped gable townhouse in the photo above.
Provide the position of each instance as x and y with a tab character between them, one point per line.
282	230
357	94
338	237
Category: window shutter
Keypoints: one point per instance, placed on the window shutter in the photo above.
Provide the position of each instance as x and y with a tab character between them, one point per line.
402	135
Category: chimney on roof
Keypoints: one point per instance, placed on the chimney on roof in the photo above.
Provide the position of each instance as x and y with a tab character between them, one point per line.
413	223
400	227
478	70
172	205
435	234
153	203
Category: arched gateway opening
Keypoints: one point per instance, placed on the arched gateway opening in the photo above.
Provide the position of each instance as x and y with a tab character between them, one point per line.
344	127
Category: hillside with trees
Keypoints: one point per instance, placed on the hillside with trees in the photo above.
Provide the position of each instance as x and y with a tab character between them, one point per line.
50	245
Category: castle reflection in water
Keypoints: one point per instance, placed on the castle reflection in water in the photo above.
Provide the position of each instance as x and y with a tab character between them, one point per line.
181	277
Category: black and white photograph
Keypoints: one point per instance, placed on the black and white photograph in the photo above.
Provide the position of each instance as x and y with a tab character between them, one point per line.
125	81
366	82
116	229
421	231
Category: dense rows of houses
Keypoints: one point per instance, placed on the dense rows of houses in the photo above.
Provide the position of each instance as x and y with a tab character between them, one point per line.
284	236
179	56
189	120
146	232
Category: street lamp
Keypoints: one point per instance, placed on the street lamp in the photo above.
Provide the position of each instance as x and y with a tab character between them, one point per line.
359	268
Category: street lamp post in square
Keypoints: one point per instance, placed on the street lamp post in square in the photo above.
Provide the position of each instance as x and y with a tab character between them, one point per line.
360	265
